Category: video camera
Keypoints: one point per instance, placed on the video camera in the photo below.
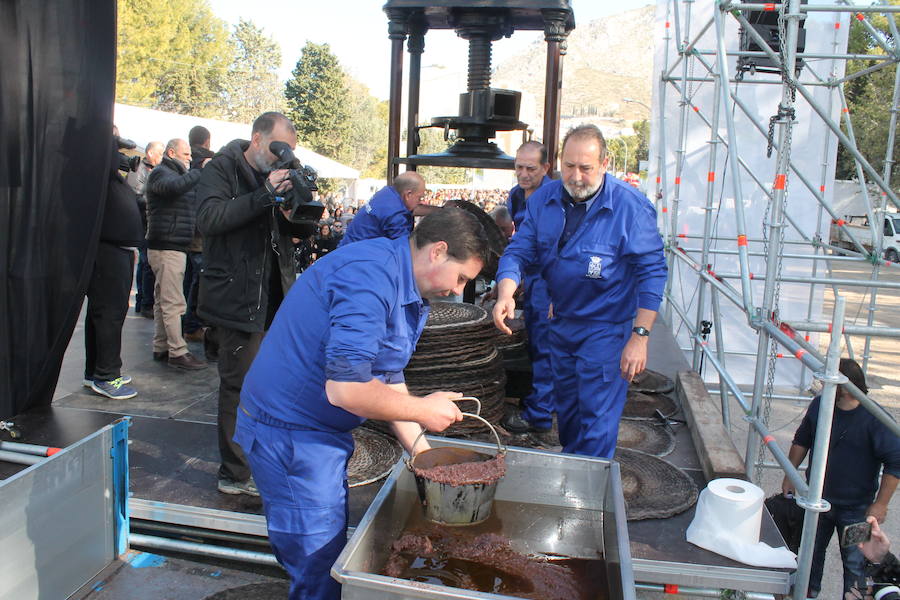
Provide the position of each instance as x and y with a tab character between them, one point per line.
127	163
305	210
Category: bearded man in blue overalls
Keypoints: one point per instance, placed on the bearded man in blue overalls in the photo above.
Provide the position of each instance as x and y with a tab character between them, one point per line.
334	357
598	249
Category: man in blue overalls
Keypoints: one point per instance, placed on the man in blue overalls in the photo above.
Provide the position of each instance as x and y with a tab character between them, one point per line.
537	413
334	357
597	246
389	213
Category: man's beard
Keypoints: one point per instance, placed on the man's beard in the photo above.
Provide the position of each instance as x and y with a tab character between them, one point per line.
580	192
260	164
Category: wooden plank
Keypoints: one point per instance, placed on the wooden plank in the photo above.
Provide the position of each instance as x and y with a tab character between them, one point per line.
717	453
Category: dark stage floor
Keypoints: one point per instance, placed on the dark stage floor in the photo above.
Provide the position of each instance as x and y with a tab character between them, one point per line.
174	454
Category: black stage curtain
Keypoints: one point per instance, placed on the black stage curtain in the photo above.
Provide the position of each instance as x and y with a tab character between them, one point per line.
57	86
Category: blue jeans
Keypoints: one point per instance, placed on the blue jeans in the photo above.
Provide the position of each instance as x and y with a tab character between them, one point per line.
854	562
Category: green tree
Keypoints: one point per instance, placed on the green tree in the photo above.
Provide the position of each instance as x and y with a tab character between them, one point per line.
319	101
869	101
626	147
172	56
431	141
252	85
366	147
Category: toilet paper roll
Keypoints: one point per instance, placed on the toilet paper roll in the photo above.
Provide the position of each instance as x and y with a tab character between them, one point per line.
727	522
737	505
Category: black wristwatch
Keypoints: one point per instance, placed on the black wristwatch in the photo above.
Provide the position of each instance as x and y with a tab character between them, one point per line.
641	331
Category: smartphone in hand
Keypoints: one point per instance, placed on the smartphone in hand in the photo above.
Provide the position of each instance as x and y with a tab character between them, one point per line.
856	533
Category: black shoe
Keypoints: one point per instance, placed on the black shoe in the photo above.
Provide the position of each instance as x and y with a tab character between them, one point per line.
161	355
137	309
147	312
515	423
188	362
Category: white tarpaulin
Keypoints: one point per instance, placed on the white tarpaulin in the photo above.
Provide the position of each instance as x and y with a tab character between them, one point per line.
144	125
813	146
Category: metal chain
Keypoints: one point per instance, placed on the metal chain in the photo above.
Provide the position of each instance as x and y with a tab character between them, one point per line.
786	78
788	114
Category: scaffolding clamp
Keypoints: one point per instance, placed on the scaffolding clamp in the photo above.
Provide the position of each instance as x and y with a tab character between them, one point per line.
821	506
837	379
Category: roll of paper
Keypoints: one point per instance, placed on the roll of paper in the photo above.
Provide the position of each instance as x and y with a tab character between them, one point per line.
727	522
738	504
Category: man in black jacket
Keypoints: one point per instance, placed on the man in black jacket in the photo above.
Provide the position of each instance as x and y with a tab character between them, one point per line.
171	216
248	267
109	288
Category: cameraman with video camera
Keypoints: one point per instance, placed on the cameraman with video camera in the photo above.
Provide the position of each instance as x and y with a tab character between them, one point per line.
248	267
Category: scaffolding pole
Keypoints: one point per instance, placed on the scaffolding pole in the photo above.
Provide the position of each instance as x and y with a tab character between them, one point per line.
713	285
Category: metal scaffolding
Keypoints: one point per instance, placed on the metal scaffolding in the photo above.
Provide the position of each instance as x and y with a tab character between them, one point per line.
705	256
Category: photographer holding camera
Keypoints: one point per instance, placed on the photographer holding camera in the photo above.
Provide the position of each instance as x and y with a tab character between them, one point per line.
860	446
248	267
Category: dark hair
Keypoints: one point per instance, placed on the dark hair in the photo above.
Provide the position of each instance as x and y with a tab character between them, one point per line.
464	235
587	132
198	135
851	369
265	123
534	145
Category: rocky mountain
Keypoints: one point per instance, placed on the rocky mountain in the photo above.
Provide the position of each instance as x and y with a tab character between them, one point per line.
607	60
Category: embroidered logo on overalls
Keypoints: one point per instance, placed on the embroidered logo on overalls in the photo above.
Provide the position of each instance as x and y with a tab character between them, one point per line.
594	267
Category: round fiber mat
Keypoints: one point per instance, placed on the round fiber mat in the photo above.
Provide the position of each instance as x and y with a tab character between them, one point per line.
644	406
450	315
373	457
653	488
645	437
651	382
254	591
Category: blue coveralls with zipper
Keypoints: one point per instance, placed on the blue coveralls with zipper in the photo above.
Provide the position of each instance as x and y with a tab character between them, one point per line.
351	317
611	264
384	215
538	406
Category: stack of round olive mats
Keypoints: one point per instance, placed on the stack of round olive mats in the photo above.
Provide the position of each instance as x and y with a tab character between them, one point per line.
458	353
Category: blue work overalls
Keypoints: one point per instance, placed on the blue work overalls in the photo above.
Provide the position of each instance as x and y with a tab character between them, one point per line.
612	265
355	315
538	405
384	215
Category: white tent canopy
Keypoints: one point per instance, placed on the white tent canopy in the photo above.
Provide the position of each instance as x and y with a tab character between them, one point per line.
144	125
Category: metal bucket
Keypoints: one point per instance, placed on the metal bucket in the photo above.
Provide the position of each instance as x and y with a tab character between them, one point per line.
465	504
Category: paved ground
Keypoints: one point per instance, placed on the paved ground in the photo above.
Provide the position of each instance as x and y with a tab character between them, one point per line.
883	381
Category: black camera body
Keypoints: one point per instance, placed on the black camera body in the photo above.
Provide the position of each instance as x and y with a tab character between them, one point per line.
305	210
127	163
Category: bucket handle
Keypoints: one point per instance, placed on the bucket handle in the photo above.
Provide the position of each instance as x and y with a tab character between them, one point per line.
500	448
470	399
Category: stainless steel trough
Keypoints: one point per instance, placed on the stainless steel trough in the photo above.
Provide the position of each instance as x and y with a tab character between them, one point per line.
549	503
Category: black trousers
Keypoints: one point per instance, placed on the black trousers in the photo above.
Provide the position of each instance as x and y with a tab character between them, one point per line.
107	306
237	349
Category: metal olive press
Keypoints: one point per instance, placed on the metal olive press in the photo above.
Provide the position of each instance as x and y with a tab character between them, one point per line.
483	110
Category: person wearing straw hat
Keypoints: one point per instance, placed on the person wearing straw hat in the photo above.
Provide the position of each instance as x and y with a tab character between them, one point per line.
598	248
333	358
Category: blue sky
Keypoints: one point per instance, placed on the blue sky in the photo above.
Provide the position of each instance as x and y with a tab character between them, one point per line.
357	32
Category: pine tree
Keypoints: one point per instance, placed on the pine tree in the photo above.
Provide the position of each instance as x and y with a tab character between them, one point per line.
252	85
319	102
